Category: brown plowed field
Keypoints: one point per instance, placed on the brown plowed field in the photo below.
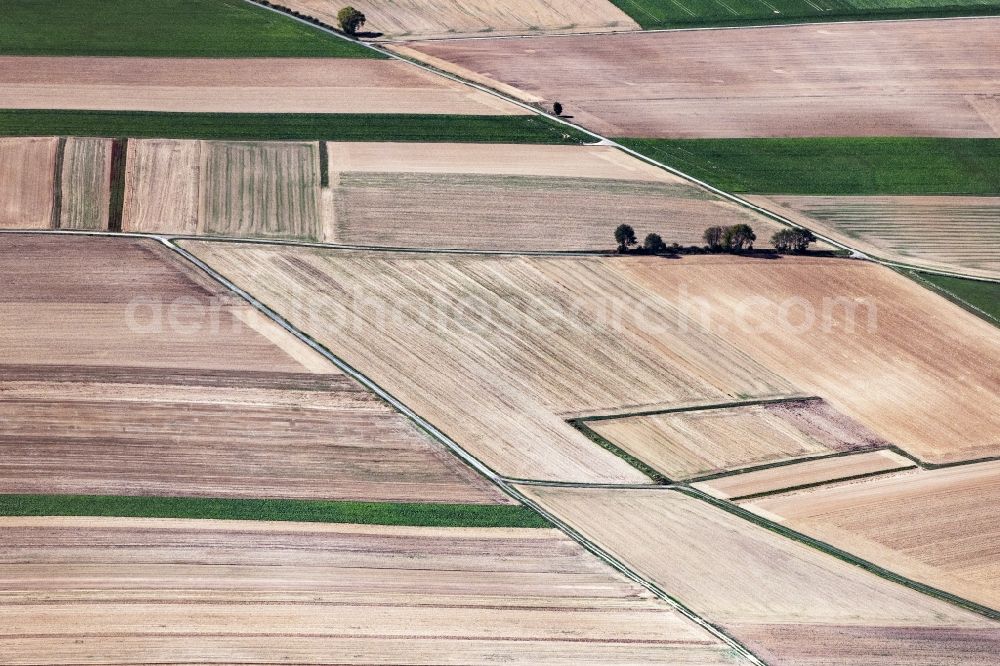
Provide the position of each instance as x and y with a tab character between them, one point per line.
275	85
162	184
493	349
781	598
926	78
27	172
699	442
825	470
117	591
949	233
86	184
915	369
937	527
404	19
124	371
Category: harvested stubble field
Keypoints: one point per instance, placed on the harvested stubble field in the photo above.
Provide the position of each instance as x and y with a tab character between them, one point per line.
157	382
511	197
27	179
86	184
929	78
184	592
807	472
279	85
694	443
918	371
495	350
263	189
950	233
936	527
408	19
787	602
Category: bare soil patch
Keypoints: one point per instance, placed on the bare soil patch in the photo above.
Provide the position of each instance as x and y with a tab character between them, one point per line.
925	78
194	591
260	85
27	171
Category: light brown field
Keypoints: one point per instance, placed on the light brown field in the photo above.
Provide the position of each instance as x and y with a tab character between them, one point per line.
162	186
27	172
937	527
268	189
781	598
509	197
86	184
124	372
199	591
264	85
928	78
683	445
807	472
950	233
397	19
494	349
915	369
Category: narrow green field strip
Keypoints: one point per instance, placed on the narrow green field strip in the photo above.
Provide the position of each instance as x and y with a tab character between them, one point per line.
977	296
362	513
889	166
288	126
165	28
665	14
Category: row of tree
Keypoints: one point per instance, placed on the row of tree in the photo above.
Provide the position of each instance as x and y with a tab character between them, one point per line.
735	239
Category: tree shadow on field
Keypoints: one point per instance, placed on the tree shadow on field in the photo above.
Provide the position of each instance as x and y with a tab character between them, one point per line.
368	35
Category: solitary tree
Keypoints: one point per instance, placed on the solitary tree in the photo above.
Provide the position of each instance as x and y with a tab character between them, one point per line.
713	237
654	244
350	20
738	237
792	240
625	237
557	108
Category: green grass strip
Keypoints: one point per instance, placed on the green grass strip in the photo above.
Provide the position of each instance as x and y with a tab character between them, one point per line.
316	511
288	126
863	166
978	297
664	14
162	28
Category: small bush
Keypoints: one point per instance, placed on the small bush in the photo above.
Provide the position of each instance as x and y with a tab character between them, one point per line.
350	19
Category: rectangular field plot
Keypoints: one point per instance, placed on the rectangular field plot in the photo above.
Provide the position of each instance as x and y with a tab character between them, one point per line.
157	381
787	602
699	442
653	14
27	174
950	233
451	18
494	350
251	189
937	527
807	472
924	78
917	370
510	197
86	184
256	85
181	592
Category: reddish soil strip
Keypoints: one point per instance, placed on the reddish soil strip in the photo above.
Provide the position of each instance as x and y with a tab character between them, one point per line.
927	78
180	592
804	473
278	85
27	171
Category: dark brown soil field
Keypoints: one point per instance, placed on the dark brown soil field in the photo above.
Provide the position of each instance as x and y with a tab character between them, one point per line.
99	394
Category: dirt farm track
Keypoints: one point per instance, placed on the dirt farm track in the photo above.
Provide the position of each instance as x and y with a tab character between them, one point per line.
925	78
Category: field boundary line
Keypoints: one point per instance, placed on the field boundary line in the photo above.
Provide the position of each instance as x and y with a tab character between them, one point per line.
842	555
955	298
57	183
825	482
701	407
470	459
